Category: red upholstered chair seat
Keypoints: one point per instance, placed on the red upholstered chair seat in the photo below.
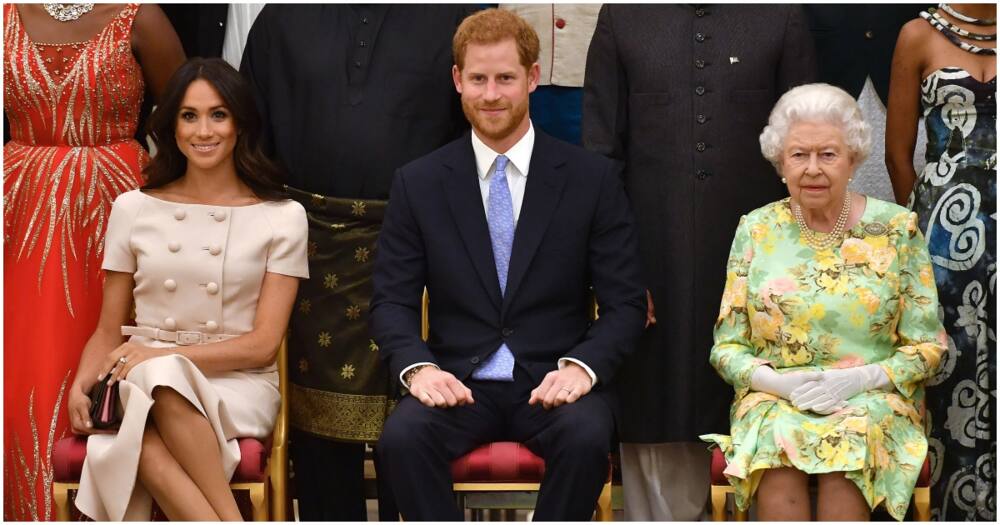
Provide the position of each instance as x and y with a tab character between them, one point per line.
719	465
69	453
67	459
500	462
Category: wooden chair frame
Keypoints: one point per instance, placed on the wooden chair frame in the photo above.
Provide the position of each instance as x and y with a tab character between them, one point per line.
268	497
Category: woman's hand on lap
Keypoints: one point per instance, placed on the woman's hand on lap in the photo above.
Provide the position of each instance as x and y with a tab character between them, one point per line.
124	358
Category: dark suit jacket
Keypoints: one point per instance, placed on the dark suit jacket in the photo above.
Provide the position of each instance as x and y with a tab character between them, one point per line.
856	41
575	230
201	27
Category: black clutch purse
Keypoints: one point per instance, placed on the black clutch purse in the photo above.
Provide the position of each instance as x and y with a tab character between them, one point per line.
104	405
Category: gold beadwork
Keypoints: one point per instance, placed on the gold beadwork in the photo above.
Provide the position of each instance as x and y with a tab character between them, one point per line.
67	187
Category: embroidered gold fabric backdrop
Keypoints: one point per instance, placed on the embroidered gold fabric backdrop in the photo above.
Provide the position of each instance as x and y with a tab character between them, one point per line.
339	385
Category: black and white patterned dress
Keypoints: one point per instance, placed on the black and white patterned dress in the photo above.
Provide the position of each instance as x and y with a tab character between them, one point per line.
955	198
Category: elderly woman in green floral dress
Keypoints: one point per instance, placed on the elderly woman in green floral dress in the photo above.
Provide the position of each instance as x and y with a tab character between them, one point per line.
828	328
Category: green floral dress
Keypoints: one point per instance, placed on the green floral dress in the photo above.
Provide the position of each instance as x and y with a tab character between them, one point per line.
872	300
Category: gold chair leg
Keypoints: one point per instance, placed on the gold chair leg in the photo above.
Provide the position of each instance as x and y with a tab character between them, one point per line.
267	501
60	495
258	501
719	503
604	504
279	481
738	515
922	504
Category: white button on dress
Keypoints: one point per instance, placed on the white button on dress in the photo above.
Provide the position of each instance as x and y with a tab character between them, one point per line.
212	288
174	246
170	324
179	214
170	285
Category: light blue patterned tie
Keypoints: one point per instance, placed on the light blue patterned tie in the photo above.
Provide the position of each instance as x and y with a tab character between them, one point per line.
500	216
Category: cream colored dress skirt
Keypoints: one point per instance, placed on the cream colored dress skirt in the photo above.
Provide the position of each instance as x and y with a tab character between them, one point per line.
237	404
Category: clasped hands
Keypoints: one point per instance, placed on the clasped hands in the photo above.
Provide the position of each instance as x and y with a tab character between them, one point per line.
436	388
821	392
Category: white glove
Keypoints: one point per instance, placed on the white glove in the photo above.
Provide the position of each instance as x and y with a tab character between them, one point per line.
836	386
765	379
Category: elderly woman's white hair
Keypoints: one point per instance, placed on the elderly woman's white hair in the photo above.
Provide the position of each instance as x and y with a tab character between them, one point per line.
816	103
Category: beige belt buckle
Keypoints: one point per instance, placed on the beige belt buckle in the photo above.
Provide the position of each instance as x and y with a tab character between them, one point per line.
185	338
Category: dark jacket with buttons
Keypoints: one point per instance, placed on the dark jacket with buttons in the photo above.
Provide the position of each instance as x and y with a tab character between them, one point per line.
681	94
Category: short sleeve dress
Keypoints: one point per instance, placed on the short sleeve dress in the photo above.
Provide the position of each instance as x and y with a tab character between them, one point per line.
198	269
871	300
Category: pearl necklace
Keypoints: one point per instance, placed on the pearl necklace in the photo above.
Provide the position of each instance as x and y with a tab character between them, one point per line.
67	12
822	241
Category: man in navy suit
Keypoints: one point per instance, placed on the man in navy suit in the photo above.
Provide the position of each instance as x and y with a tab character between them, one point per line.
511	231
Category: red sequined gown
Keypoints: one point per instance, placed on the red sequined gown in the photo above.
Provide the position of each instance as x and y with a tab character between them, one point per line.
73	111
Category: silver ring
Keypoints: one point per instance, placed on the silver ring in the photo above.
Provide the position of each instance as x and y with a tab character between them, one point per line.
123	360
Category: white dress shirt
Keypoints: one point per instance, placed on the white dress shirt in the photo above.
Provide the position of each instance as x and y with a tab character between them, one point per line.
519	159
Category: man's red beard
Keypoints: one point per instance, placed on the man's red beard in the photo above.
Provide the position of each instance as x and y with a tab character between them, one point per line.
496	128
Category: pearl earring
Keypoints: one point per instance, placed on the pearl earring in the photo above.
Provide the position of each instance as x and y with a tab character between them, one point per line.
850	180
784	180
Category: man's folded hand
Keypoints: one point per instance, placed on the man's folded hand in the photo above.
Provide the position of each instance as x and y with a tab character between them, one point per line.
436	388
562	387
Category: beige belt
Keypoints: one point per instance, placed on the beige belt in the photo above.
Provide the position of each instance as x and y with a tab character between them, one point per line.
180	337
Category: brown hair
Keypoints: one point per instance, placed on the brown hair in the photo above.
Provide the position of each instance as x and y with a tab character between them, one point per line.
253	167
490	26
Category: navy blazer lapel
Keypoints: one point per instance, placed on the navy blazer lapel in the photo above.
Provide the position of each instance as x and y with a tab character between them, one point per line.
466	202
541	198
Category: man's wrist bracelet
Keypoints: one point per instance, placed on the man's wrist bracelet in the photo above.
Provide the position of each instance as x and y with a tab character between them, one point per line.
408	376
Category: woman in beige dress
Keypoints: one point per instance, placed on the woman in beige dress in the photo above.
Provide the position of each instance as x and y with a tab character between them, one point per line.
211	255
